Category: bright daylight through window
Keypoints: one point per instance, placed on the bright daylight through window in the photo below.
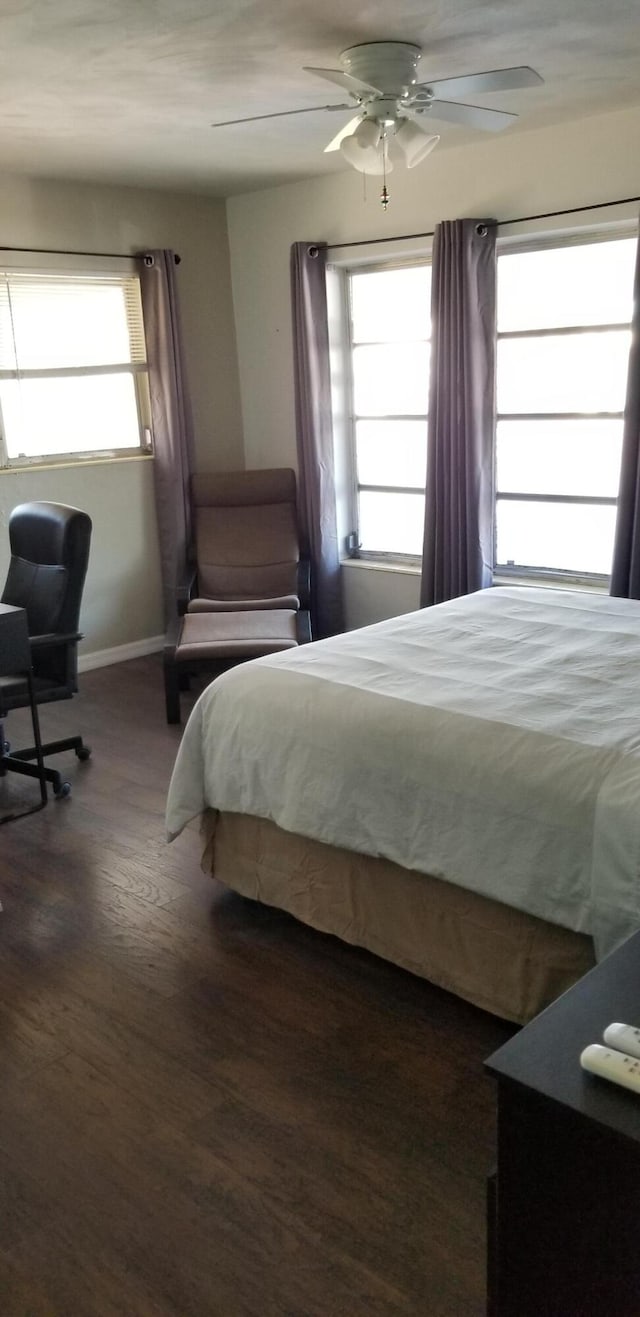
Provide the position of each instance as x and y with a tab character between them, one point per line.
564	314
73	366
563	347
390	331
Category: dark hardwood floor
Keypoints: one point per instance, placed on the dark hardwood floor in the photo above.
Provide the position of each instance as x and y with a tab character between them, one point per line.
206	1108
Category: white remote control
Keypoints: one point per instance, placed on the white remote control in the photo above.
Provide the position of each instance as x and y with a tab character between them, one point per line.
612	1065
624	1038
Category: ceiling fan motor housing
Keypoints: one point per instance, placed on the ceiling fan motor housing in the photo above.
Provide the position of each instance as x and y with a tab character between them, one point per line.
384	109
389	65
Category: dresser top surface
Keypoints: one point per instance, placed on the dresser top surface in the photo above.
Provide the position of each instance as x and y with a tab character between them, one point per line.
544	1057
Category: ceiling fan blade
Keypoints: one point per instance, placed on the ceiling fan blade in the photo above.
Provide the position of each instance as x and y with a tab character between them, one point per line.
345	80
280	114
474	116
494	80
349	128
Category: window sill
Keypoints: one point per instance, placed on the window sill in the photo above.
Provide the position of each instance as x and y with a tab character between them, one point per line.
382	565
532	582
76	463
544	583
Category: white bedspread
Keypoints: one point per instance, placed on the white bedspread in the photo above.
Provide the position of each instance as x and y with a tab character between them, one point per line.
493	741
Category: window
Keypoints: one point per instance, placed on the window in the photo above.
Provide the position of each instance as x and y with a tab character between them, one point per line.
389	316
564	313
563	345
73	371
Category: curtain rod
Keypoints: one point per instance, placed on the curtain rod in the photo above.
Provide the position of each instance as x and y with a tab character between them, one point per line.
498	224
55	251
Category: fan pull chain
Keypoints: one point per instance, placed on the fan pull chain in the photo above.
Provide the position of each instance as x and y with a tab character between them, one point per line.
384	195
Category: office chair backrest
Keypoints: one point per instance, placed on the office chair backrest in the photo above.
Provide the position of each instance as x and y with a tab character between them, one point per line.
247	543
49	558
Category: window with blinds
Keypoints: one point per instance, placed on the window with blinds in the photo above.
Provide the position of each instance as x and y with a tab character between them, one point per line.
73	368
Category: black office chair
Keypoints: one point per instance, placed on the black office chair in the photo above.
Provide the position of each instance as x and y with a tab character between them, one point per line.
49	558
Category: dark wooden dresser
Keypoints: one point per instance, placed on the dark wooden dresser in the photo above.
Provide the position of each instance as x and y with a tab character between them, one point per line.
564	1203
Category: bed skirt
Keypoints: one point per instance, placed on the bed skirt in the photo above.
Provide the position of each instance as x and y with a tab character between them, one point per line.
500	959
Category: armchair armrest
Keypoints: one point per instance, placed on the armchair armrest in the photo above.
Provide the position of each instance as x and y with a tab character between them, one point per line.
304	583
172	637
303	626
185	587
55	638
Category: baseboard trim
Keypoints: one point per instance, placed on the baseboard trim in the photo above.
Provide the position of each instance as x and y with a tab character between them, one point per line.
103	658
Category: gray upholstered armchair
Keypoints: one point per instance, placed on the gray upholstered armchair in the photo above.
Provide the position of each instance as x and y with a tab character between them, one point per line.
246	591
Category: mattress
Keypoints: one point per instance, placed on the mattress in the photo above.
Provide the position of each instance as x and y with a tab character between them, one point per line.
492	742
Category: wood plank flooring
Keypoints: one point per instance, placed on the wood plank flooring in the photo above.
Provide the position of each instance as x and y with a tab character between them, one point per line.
206	1109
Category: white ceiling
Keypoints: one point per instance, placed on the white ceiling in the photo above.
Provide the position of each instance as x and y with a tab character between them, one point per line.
126	90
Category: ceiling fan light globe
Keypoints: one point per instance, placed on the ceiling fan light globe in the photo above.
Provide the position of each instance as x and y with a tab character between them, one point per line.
365	149
366	136
368	160
416	145
369	133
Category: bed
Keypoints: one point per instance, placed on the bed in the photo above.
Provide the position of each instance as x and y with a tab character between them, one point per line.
456	789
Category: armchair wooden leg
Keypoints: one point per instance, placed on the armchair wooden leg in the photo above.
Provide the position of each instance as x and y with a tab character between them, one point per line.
172	690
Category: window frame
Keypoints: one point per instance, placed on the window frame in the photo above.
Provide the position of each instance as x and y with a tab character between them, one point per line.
352	262
410	561
515	245
89	268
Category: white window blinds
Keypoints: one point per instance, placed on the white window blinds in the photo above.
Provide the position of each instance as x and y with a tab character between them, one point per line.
62	323
72	365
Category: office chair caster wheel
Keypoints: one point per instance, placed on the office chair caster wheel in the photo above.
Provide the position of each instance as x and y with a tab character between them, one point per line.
84	753
62	791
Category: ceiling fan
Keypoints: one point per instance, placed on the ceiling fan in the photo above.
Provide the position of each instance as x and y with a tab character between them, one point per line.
381	79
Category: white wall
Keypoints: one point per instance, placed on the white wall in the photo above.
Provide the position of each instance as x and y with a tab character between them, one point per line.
122	600
373	592
571	164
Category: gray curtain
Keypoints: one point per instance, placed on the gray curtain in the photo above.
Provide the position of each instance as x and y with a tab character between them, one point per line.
171	417
314	433
625	573
458	540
